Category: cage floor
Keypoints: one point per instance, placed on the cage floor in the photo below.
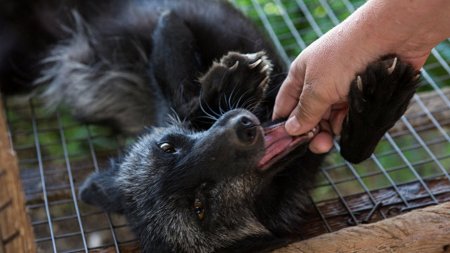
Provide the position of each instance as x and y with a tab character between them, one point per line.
409	169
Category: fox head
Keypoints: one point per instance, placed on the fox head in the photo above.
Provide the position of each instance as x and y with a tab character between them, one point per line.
193	191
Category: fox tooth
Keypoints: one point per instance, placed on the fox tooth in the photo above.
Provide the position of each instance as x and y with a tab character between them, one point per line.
392	67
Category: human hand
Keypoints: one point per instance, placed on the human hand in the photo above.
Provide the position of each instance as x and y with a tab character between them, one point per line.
315	91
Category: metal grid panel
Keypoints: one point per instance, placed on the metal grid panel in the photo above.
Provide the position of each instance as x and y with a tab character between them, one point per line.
409	169
56	154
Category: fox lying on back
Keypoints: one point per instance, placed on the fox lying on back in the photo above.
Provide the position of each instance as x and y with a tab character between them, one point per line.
213	178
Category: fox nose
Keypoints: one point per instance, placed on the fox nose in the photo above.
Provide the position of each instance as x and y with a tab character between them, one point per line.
246	129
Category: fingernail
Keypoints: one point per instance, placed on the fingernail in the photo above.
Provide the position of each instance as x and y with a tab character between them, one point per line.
292	125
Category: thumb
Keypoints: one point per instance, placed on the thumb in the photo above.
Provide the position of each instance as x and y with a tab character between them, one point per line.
308	112
288	95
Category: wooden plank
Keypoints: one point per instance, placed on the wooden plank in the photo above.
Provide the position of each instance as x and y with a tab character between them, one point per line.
424	230
16	232
129	248
2	248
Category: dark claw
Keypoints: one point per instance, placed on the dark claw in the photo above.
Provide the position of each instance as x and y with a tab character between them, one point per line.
255	64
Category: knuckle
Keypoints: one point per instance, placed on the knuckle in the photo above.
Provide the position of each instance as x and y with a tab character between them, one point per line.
306	112
321	92
313	93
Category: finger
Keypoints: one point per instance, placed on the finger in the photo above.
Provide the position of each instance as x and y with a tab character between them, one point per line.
322	143
418	62
337	119
308	112
289	93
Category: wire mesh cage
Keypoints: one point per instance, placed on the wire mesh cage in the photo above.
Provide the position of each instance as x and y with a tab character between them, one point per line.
408	170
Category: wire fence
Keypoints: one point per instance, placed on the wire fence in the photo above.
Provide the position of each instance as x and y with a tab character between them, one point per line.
408	170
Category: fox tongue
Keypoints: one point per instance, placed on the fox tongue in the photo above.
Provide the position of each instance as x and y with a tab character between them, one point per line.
276	139
278	143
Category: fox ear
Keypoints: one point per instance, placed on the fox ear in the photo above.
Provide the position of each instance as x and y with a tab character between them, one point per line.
100	189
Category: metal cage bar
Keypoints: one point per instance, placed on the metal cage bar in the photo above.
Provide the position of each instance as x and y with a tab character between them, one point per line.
409	169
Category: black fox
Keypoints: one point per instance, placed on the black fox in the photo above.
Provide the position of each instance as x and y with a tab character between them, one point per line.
196	81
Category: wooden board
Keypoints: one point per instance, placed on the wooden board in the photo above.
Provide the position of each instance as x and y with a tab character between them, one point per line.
16	234
424	230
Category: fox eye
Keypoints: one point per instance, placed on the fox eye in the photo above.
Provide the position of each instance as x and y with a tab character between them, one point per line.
199	209
167	147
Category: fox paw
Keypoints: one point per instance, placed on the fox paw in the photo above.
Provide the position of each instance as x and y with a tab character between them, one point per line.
237	81
378	97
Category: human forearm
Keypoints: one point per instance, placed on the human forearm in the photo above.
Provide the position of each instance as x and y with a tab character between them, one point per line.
409	28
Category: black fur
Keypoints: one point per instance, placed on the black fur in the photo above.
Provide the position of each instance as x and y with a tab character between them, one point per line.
375	109
135	63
